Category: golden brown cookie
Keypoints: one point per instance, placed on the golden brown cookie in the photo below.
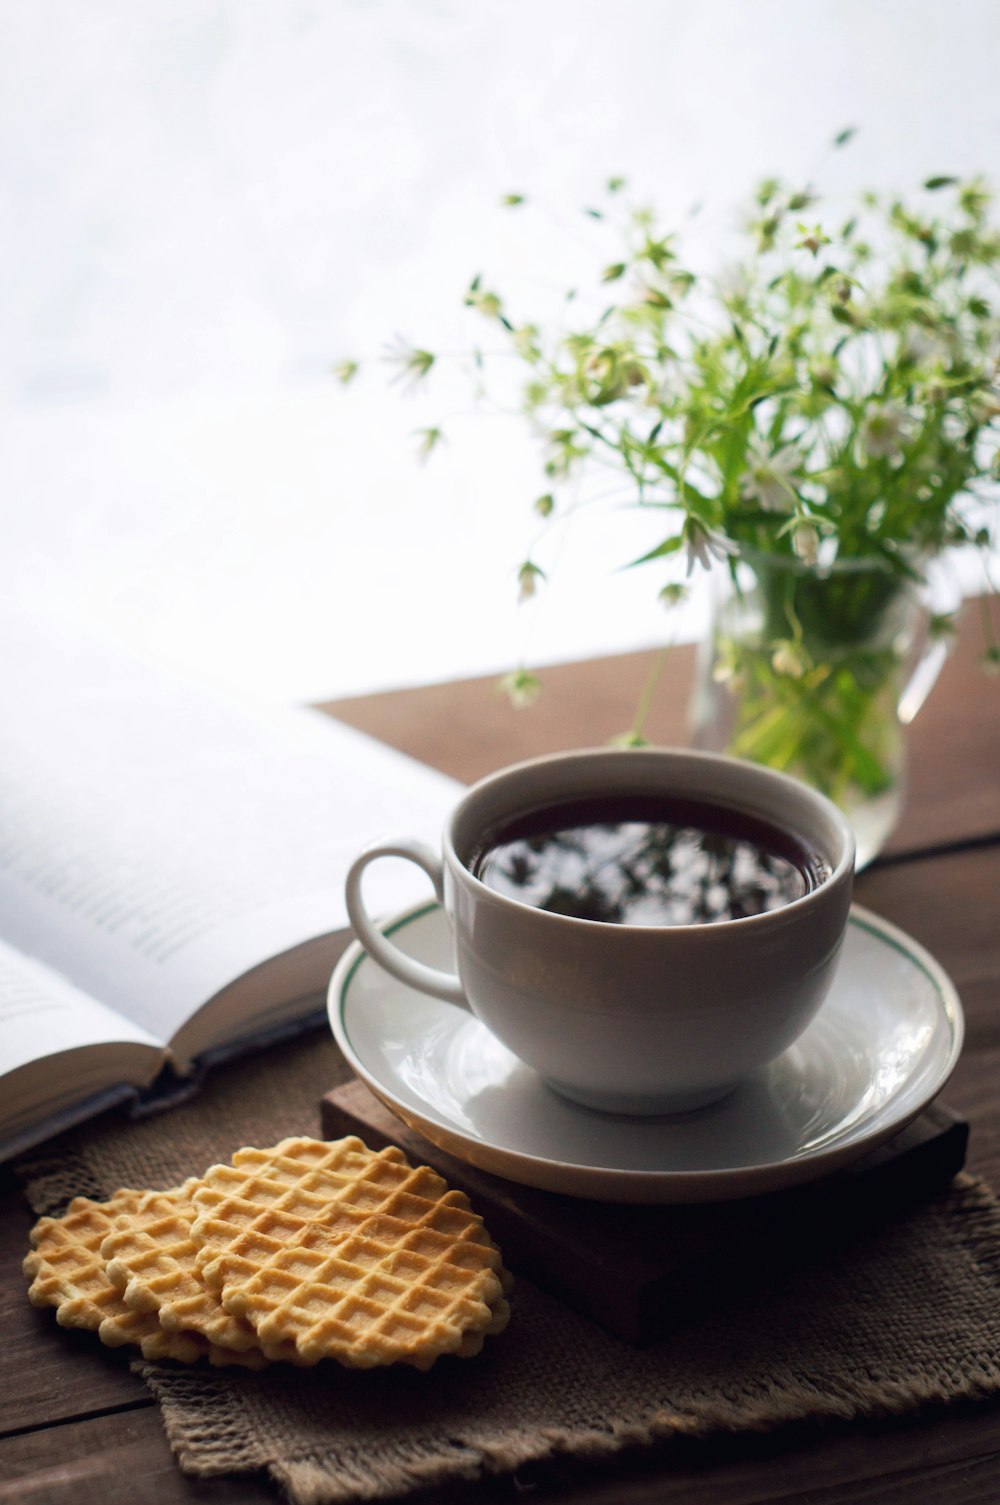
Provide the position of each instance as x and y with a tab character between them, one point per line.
67	1271
348	1254
150	1259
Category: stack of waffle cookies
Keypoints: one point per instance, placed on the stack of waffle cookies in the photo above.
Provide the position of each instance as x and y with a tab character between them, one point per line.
310	1250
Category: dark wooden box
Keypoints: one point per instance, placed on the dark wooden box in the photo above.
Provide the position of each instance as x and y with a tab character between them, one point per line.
641	1271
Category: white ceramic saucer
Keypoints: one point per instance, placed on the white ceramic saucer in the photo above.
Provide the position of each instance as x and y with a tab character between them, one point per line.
880	1049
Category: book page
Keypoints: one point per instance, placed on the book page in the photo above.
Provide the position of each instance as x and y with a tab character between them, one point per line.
158	839
64	1055
40	1012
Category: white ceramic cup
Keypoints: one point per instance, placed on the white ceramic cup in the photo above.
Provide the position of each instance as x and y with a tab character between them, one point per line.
629	1018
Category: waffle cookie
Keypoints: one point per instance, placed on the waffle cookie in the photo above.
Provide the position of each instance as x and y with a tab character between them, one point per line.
67	1271
347	1254
150	1260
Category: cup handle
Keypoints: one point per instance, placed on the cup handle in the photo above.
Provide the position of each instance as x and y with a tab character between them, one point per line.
404	968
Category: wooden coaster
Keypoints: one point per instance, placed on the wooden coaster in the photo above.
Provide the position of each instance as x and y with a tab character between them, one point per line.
640	1271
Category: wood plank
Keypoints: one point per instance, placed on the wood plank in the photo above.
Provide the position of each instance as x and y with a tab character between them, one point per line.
468	729
950	904
112	1460
954	745
49	1372
942	1459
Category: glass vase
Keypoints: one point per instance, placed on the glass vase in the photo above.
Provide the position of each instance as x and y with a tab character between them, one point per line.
817	670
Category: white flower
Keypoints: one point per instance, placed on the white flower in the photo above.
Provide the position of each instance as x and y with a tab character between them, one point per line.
885	427
985	406
920	345
522	687
768	476
787	660
725	669
528	577
805	541
705	544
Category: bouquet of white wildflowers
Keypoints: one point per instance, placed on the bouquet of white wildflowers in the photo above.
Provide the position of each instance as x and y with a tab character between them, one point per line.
832	399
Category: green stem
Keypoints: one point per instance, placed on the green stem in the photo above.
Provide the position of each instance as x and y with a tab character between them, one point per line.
637	729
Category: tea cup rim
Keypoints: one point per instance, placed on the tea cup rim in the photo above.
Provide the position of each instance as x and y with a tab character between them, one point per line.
841	870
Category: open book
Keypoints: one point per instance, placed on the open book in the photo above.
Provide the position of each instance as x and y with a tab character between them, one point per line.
171	871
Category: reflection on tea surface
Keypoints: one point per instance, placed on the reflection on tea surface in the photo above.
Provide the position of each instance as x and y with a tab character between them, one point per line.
644	860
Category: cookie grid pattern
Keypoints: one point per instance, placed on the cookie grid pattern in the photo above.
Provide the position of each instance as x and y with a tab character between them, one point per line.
348	1254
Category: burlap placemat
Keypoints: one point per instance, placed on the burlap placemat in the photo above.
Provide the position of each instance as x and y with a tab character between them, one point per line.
901	1319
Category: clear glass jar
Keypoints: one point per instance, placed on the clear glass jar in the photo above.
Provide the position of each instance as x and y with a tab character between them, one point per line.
816	670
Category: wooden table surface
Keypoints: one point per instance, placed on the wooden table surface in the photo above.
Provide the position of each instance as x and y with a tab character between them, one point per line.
75	1425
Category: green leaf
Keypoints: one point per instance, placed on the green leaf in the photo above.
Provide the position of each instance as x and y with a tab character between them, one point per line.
846	135
429	438
614	271
615	185
595	434
944	181
942	625
544	505
631	738
662	551
414	365
512	200
812	238
657	250
346	371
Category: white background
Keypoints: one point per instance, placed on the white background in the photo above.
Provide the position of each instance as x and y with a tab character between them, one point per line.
207	203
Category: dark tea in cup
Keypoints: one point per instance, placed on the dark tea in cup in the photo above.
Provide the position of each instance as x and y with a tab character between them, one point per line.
640	859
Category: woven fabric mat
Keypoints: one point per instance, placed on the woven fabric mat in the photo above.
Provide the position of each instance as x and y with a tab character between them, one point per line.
901	1319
